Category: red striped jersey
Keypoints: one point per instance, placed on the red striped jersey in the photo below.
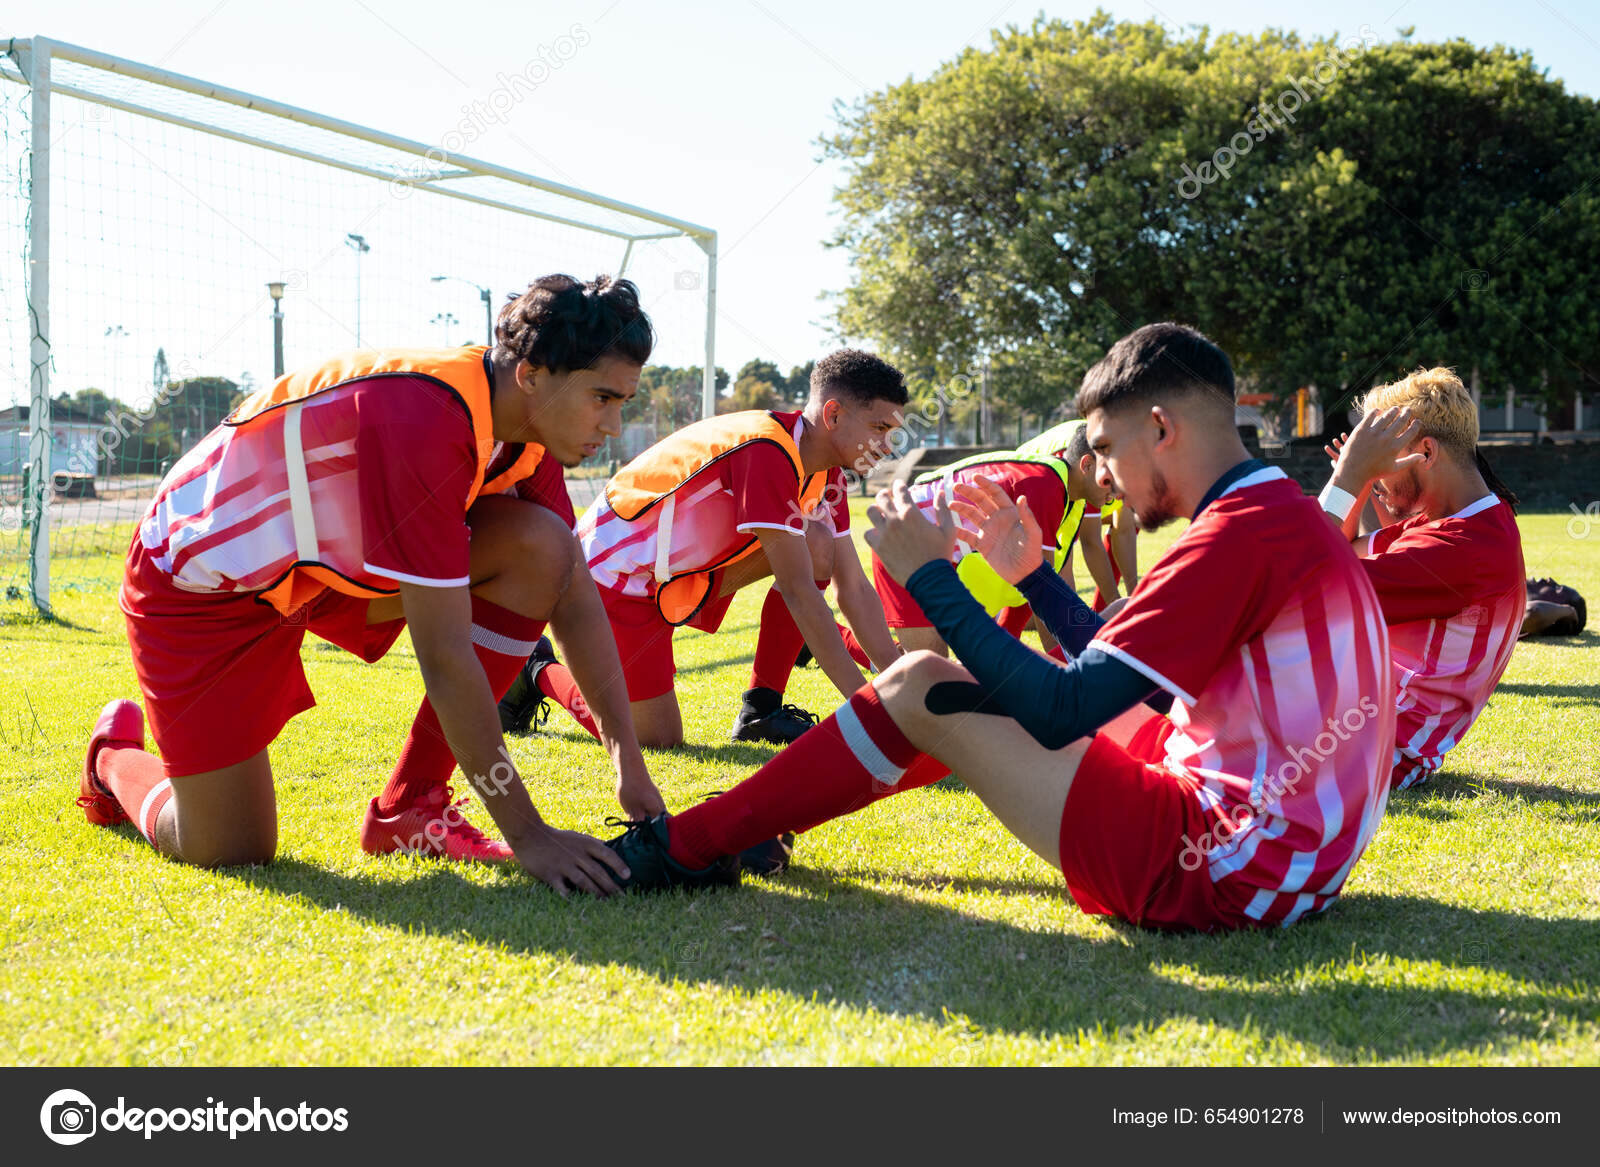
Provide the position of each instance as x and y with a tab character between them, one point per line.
389	466
1261	623
717	511
1040	485
1453	594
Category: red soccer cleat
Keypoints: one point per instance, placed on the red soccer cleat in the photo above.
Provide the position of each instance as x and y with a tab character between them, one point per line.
434	826
121	726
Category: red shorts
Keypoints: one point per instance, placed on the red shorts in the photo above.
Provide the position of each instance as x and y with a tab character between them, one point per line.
221	673
901	611
644	638
1123	833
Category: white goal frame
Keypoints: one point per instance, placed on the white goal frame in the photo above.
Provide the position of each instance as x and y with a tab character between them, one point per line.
28	61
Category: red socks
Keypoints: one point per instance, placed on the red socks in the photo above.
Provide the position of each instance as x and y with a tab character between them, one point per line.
556	683
139	782
503	640
777	644
857	653
855	757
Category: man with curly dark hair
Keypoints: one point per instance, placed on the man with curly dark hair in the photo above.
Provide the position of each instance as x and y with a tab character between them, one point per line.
721	504
383	489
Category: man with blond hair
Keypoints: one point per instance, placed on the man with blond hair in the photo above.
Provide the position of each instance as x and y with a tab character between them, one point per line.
1446	561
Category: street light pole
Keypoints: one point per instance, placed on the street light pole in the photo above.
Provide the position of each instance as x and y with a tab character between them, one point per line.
488	305
275	290
359	244
115	332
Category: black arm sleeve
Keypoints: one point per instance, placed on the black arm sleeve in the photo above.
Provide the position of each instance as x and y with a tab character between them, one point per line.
1061	609
1055	703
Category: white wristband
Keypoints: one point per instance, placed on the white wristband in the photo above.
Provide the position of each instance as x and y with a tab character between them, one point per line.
1337	501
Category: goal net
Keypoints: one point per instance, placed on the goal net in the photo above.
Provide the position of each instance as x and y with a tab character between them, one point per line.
146	221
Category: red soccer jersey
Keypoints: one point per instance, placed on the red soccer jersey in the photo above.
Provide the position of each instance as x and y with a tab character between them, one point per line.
1040	485
751	488
1262	625
390	463
547	486
1452	591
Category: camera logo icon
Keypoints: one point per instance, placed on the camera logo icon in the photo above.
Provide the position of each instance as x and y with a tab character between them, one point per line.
686	281
68	1117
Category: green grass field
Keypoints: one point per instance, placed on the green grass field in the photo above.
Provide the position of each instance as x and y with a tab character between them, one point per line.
917	932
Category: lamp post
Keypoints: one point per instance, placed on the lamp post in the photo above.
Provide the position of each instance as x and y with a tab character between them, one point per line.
115	332
444	320
488	305
275	290
358	244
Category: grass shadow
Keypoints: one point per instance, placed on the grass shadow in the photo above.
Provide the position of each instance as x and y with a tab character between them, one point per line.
1561	694
814	935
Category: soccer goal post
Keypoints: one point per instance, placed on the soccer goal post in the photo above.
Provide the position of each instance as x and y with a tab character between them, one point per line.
167	244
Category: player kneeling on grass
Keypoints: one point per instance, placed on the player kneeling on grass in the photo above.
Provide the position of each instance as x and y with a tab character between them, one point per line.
356	499
1247	804
716	506
1446	561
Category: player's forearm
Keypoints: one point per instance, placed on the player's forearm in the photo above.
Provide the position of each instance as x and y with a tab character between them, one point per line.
1125	549
1060	609
1055	703
1096	559
465	706
864	613
815	620
583	632
1343	499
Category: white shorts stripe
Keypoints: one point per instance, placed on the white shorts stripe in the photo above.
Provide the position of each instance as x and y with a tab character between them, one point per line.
866	750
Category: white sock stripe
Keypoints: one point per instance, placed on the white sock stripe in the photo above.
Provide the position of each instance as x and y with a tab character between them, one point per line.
149	829
501	643
872	759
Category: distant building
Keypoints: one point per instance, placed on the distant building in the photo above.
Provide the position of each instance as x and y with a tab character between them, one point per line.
74	434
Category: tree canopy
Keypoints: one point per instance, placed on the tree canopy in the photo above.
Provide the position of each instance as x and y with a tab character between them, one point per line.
1331	211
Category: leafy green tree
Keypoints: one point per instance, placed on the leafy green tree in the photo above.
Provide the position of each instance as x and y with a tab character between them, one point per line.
1331	211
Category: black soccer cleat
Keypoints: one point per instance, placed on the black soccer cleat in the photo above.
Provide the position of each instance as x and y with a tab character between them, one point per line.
643	847
762	718
804	657
524	708
769	858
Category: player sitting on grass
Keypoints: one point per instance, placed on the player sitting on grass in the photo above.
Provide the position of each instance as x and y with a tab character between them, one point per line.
1446	564
718	505
1057	493
356	499
1247	805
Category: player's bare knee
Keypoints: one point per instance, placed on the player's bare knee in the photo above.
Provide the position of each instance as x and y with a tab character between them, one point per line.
904	685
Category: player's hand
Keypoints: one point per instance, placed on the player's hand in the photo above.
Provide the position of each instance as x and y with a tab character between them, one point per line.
1008	535
638	797
1332	449
1373	449
571	861
902	538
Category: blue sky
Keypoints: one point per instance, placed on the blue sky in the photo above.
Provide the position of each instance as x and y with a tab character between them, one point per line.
707	110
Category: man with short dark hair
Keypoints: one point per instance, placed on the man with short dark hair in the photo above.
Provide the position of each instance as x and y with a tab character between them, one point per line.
718	505
1247	805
